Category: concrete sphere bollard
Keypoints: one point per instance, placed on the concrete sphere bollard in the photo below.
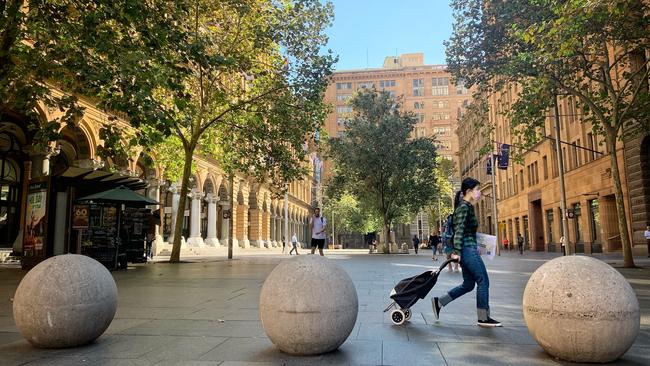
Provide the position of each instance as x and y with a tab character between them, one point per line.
65	301
581	309
308	305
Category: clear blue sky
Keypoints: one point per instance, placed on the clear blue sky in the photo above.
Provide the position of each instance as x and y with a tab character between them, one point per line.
381	28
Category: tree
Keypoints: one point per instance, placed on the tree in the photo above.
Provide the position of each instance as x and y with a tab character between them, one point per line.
378	161
351	217
254	91
442	204
594	52
115	53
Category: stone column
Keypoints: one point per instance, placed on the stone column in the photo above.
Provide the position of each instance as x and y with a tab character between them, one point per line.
175	190
195	238
265	229
224	223
153	192
256	236
241	225
211	239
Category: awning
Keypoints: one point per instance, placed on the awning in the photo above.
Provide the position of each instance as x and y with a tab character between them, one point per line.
119	195
113	179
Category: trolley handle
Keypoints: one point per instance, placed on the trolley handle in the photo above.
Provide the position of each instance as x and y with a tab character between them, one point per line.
444	264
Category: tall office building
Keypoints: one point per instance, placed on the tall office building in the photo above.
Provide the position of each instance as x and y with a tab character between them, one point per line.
426	90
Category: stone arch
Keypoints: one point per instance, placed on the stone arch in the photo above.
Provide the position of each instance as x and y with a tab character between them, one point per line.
209	186
224	191
74	145
253	196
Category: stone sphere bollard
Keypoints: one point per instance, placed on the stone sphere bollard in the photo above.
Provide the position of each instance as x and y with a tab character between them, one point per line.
308	305
580	309
65	301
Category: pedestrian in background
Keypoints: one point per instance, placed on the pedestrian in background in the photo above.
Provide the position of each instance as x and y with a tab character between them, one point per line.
294	244
466	251
317	225
520	243
563	244
416	243
434	240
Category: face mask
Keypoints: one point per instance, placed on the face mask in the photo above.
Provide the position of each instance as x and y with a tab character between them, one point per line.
477	195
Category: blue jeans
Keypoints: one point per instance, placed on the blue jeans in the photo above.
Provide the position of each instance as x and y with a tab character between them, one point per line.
474	273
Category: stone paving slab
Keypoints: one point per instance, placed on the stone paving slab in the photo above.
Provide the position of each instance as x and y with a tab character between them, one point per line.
205	312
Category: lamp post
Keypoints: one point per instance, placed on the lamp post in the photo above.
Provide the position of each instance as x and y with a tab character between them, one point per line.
560	163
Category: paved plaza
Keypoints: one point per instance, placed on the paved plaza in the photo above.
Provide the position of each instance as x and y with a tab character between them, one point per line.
206	313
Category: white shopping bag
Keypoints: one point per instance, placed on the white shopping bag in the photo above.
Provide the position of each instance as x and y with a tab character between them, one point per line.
487	245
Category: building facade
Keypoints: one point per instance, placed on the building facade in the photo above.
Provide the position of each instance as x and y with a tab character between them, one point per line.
45	183
528	190
425	90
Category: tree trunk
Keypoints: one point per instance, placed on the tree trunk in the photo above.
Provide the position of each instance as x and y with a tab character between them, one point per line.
386	231
628	259
180	215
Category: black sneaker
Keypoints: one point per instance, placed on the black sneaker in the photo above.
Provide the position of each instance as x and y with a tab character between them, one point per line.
435	304
489	323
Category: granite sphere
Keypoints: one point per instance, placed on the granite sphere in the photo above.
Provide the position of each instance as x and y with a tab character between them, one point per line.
580	309
308	305
65	301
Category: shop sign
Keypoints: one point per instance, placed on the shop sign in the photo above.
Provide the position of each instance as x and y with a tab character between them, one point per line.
81	217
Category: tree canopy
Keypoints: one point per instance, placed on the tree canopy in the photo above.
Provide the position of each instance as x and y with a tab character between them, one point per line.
379	161
592	51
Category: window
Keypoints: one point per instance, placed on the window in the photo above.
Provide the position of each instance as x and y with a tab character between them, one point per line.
594	215
343	86
391	94
521	179
545	167
442	131
418	87
578	153
574	156
440	86
590	145
343	97
420	132
443	145
340	122
344	109
440	104
440	116
366	85
419	117
418	105
576	222
386	83
460	87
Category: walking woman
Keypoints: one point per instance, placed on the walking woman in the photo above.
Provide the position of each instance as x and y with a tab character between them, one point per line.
465	250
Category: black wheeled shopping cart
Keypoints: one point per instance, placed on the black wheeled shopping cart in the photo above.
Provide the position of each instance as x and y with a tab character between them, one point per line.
409	290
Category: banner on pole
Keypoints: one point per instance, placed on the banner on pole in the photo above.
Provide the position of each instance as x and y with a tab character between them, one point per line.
504	156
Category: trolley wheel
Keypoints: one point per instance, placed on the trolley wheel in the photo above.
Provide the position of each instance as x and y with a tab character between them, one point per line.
397	317
407	314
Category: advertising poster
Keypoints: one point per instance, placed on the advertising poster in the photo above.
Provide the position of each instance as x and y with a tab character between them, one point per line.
35	224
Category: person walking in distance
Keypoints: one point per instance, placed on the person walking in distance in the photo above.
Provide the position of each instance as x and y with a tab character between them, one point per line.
520	243
434	240
563	244
416	243
317	225
646	234
466	251
294	244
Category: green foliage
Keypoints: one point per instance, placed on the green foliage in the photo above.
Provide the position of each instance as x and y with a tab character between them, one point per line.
442	204
595	51
379	163
350	216
113	52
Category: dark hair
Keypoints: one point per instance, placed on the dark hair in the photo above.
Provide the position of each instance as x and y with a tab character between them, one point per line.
467	184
